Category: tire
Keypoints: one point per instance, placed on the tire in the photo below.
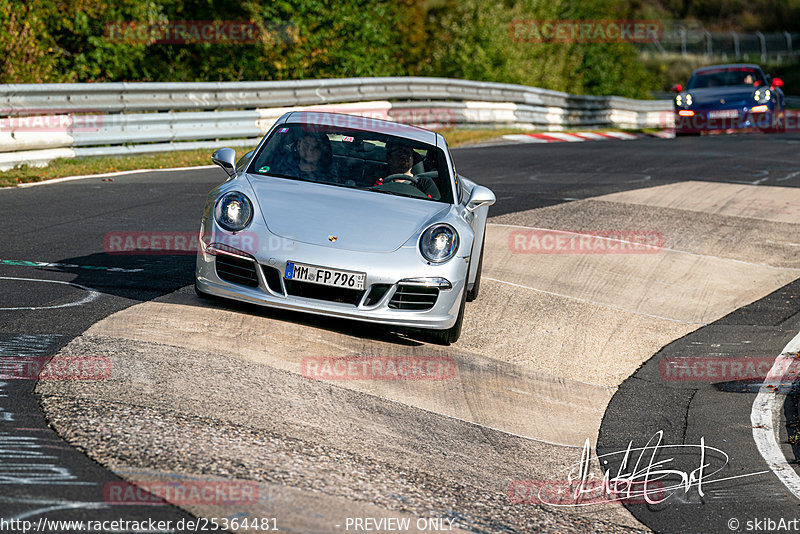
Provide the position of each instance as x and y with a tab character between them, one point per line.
687	134
472	294
451	335
202	295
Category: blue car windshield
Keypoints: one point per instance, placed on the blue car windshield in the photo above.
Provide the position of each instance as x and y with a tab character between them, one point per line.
726	77
357	159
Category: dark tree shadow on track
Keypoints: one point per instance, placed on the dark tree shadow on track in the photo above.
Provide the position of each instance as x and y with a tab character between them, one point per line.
143	277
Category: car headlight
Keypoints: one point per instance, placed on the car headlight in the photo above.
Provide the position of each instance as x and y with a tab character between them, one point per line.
439	243
762	95
688	99
234	211
679	100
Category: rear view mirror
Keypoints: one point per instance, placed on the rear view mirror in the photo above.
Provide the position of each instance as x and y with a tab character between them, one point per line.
225	158
480	196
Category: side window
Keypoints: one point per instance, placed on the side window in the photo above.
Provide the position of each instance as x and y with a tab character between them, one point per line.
243	161
458	182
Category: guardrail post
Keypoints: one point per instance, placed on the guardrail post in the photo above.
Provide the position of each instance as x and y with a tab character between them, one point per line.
763	46
709	51
683	43
736	45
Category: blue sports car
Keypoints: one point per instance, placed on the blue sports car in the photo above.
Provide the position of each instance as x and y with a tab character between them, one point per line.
729	98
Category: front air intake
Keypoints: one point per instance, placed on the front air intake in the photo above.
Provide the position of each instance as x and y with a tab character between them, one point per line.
414	297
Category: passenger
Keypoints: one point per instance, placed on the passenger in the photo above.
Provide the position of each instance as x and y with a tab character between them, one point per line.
314	158
748	80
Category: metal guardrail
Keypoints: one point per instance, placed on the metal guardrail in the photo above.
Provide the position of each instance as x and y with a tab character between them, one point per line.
792	102
39	122
728	46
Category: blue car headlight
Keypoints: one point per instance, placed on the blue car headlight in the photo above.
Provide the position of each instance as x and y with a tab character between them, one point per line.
439	243
233	211
762	96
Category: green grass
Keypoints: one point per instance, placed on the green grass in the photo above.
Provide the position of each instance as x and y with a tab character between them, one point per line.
190	158
467	136
82	166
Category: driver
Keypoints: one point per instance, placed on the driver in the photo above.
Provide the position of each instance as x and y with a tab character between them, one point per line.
400	160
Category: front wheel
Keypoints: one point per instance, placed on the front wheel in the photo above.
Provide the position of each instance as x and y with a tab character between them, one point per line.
473	293
203	295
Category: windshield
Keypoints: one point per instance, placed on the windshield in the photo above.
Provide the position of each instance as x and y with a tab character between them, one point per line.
358	159
726	76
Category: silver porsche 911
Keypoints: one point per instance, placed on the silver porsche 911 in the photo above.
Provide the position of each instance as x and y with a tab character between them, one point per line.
347	217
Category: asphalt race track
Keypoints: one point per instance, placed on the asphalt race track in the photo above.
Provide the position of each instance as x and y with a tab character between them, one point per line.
561	349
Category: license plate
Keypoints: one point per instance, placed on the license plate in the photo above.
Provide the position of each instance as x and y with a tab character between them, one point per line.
723	114
324	276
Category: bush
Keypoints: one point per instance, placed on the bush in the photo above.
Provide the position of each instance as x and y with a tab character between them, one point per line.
65	40
27	48
475	40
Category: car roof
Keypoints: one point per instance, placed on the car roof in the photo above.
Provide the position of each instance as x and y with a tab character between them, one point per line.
324	118
729	65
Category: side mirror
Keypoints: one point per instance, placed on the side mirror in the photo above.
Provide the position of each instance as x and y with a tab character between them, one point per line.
243	161
677	88
225	158
777	82
480	196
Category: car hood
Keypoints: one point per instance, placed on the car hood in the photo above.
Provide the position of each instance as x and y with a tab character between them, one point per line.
711	96
363	221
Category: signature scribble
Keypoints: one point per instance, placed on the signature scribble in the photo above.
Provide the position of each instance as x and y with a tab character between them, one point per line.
643	475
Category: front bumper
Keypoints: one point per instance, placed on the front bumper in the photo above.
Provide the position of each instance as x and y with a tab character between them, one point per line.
745	120
385	269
